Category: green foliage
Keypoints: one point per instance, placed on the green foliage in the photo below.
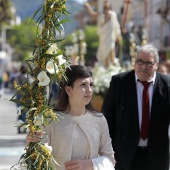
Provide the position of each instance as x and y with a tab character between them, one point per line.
20	37
91	38
5	12
66	41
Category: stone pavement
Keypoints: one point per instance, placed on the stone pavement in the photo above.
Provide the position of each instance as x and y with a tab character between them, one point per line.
11	144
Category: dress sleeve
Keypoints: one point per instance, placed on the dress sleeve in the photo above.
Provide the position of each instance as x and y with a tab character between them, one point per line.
102	163
105	160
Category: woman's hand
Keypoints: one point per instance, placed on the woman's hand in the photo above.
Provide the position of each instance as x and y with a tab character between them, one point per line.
34	137
79	165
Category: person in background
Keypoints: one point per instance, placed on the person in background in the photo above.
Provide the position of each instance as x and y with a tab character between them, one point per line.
6	80
80	139
1	84
137	109
53	95
162	68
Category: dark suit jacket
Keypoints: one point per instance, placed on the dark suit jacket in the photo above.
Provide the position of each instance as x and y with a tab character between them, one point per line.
121	111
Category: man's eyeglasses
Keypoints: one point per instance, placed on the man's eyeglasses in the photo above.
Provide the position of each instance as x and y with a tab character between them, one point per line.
147	63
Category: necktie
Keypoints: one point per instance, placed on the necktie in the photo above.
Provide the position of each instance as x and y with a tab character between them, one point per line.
145	111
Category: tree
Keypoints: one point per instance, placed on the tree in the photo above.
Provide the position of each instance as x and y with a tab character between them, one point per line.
5	12
20	38
91	39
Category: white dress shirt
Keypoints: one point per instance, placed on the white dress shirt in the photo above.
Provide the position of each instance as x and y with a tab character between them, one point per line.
139	88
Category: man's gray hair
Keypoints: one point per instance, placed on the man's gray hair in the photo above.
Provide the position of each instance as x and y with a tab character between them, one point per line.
151	49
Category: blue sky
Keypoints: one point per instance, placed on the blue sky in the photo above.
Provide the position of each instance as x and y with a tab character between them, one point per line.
81	1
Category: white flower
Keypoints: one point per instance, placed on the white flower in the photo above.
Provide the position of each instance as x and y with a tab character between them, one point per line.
38	120
44	80
61	60
48	147
51	67
33	108
52	49
23	165
102	76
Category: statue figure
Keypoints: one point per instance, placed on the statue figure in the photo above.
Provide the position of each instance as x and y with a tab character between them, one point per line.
109	32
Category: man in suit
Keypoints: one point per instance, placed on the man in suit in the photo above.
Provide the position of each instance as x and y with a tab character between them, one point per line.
140	142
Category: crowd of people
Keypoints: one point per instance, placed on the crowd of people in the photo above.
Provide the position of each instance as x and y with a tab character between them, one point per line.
7	80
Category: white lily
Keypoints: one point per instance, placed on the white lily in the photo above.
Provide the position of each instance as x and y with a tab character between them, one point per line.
61	60
38	120
33	108
51	67
23	165
44	80
48	147
52	49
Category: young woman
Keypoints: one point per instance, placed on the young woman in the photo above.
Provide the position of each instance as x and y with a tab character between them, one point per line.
80	139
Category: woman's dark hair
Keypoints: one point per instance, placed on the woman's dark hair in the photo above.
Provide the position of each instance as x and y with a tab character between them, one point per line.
73	73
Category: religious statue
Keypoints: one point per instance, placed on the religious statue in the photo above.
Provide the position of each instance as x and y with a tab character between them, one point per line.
109	32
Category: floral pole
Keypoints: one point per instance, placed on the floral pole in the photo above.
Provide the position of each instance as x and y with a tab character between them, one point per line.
47	65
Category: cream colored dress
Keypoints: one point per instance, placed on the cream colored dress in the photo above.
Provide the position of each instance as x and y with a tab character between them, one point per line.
81	137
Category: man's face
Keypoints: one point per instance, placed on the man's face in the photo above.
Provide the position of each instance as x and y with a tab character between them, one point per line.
145	66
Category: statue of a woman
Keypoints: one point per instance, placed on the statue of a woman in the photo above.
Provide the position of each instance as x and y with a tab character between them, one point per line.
108	31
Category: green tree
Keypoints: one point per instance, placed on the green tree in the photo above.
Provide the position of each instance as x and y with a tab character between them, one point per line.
5	12
91	39
20	38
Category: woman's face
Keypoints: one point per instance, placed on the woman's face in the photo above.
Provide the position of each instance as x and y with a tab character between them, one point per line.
81	92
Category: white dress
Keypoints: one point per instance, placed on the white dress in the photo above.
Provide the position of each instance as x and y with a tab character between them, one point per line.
108	33
81	137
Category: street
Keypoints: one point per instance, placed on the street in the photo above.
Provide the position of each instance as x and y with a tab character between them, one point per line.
11	144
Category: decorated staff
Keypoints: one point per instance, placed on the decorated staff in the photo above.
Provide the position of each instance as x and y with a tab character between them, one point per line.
47	65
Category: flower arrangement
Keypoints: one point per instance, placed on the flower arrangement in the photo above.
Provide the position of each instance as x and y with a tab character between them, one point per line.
47	65
102	77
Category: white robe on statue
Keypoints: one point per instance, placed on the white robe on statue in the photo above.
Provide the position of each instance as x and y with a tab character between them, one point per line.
108	33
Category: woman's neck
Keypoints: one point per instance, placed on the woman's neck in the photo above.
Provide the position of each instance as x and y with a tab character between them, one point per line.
76	111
